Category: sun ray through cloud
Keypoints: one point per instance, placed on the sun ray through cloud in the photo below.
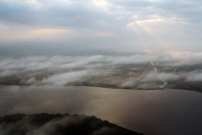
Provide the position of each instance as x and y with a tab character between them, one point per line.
146	26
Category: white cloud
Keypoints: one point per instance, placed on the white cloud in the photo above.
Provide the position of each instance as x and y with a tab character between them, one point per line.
64	78
128	84
147	86
194	76
31	81
155	76
61	70
83	61
133	59
8	73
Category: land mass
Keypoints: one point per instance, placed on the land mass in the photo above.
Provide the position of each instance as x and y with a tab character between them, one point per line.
60	124
129	76
136	72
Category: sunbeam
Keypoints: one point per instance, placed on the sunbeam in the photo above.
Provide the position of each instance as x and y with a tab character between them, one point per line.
145	45
146	26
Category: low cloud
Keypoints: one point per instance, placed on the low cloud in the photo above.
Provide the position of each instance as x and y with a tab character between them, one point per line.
83	61
148	86
155	76
64	78
31	81
133	59
128	84
8	73
181	58
125	71
149	80
194	76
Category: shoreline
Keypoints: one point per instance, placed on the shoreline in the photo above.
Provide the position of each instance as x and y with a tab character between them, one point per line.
115	88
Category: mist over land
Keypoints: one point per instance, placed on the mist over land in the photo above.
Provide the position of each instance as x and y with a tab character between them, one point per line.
138	71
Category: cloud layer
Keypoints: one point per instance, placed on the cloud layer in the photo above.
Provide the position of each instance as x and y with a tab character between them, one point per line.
122	71
123	26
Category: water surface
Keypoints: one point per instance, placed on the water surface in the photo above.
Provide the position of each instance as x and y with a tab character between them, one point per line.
152	112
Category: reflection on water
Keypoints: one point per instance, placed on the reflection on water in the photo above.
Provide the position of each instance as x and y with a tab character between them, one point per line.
169	112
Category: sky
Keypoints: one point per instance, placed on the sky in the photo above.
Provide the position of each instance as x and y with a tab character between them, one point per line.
126	26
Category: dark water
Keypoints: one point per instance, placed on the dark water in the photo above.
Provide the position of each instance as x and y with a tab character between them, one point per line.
152	112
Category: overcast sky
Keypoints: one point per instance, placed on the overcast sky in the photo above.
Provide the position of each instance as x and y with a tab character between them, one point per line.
117	25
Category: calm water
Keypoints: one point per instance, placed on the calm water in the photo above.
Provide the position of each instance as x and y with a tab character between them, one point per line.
152	112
